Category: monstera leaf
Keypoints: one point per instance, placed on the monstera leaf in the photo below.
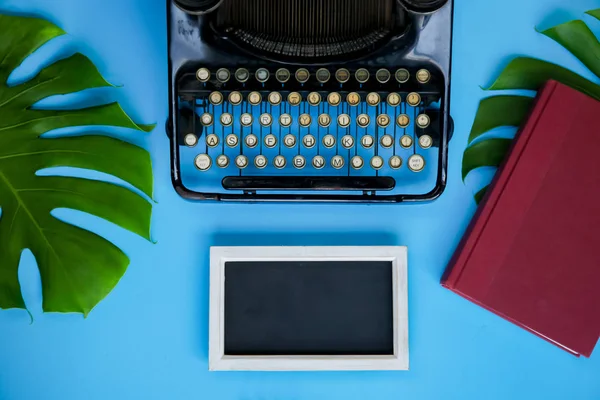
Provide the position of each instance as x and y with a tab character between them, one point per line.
77	268
529	74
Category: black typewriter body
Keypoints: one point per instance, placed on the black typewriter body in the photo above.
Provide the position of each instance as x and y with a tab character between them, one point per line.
309	100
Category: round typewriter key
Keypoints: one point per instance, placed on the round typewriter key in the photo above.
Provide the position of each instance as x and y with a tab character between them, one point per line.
246	119
416	163
309	141
363	120
383	75
216	98
294	98
203	162
362	75
393	99
203	75
242	75
402	75
367	141
254	98
222	161
232	140
425	141
302	75
334	99
357	162
342	75
226	119
386	141
413	99
241	161
283	75
266	119
206	119
275	98
305	120
270	141
324	120
373	99
262	75
347	142
260	161
423	76
423	121
383	120
328	141
314	99
406	141
395	162
235	98
343	120
289	141
251	141
280	162
190	140
337	162
223	75
318	162
285	120
212	140
403	120
323	75
376	162
299	162
353	99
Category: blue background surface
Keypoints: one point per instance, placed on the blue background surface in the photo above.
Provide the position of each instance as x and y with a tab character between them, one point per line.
149	338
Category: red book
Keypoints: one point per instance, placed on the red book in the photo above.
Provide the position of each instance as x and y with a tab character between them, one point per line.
532	252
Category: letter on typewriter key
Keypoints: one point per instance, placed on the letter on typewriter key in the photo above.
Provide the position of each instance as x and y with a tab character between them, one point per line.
203	75
216	98
283	75
318	162
353	99
206	119
395	162
254	98
246	119
305	120
266	120
262	75
235	98
413	99
270	141
285	120
251	141
363	120
231	140
275	98
260	161
383	120
241	161
344	120
222	161
347	142
337	162
402	75
289	140
279	162
362	75
299	162
386	141
314	99
242	75
416	163
403	120
309	141
223	75
423	76
302	75
425	141
406	141
393	99
367	141
323	75
294	98
226	119
342	75
383	75
324	120
423	121
212	140
376	162
190	140
334	99
329	141
203	162
357	162
373	99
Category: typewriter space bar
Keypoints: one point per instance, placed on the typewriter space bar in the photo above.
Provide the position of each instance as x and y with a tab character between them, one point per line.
308	183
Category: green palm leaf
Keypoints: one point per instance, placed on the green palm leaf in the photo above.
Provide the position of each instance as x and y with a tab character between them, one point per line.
498	111
594	13
78	268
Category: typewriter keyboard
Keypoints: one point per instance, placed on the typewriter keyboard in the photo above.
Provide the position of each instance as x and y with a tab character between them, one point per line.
301	131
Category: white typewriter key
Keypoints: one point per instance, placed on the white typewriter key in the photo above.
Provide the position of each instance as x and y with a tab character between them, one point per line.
294	98
289	140
425	141
190	140
353	99
203	75
212	140
324	120
363	120
328	141
413	99
299	162
302	75
241	161
416	163
251	141
362	75
357	162
285	120
262	75
226	119
283	75
395	162
206	119
232	140
423	76
254	98
383	120
376	162
383	75
406	141
323	75
275	98
344	120
423	121
270	141
280	162
309	141
367	141
235	98
260	161
403	120
318	162
402	75
216	98
203	162
305	120
334	99
373	99
246	119
386	141
222	161
266	119
342	75
337	162
347	142
223	75
242	75
393	99
314	99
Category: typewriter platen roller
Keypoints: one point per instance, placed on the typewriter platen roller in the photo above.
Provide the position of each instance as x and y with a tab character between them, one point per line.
309	100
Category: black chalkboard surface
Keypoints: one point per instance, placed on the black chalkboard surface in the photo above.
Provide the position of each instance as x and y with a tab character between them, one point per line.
308	308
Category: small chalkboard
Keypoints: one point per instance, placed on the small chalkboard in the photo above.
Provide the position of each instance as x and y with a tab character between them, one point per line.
308	308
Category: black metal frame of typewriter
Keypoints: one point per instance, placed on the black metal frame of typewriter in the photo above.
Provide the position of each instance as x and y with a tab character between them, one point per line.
185	58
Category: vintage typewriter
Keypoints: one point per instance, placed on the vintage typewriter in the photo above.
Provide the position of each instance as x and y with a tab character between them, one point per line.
309	100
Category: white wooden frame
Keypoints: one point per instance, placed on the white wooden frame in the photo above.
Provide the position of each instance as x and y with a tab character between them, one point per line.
218	361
